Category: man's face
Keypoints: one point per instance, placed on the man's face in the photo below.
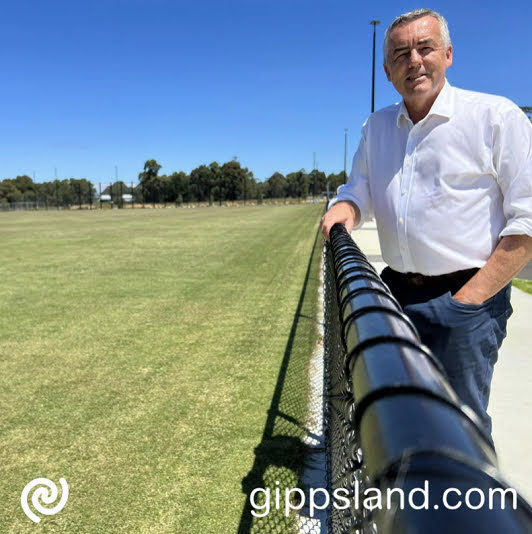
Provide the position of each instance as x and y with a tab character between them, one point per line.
417	61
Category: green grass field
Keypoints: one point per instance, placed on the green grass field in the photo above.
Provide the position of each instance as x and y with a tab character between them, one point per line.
155	359
523	285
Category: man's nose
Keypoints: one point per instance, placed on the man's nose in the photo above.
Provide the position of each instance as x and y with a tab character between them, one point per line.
415	58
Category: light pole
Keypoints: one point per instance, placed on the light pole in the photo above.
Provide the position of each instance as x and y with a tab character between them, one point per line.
374	23
314	179
345	157
56	189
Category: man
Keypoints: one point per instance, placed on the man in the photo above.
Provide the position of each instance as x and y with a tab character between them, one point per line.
447	174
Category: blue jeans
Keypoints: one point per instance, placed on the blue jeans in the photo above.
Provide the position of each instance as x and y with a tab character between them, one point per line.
466	339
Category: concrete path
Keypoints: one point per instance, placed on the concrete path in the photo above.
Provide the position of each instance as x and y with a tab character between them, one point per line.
511	402
511	394
526	273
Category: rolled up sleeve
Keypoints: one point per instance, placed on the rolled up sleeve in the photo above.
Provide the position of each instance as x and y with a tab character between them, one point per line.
513	162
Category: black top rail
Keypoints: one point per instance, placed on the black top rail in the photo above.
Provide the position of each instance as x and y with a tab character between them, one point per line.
410	457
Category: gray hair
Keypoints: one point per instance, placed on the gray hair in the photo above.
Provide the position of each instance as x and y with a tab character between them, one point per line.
414	15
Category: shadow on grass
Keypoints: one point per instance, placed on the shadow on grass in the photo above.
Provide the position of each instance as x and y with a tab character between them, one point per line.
280	454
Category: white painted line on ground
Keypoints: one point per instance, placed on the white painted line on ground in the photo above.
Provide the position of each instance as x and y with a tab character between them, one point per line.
315	471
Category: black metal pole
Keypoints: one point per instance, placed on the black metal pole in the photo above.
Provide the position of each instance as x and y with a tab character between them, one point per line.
374	23
345	157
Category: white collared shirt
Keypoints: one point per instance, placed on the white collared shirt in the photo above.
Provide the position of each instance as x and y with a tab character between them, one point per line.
445	190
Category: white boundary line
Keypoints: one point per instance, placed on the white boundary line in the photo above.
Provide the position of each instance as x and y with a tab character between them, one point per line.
315	471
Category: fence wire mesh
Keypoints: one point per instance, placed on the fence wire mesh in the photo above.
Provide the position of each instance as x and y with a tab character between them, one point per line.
343	449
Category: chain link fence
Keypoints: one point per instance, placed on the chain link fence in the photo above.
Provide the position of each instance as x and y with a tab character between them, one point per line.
395	427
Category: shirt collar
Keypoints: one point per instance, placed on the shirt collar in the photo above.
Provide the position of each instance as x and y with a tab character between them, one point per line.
443	105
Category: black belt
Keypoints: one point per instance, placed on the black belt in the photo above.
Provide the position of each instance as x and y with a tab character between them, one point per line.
449	281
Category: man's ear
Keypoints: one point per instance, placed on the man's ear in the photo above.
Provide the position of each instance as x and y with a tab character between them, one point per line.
449	56
387	71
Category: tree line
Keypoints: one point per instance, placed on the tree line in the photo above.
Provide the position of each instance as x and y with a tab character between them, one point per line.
206	183
212	183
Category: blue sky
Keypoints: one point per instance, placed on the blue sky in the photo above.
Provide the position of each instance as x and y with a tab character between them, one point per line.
90	85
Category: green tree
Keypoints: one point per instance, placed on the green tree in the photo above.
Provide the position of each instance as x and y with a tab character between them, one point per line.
117	187
46	193
335	181
81	191
201	183
26	186
297	184
150	184
57	193
216	191
179	187
528	111
275	186
9	191
317	183
116	190
164	185
237	181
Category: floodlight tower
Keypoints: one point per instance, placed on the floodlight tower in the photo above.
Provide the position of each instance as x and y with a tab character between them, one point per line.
374	24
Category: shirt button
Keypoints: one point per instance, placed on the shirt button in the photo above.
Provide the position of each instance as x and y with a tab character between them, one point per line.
403	192
401	220
408	164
